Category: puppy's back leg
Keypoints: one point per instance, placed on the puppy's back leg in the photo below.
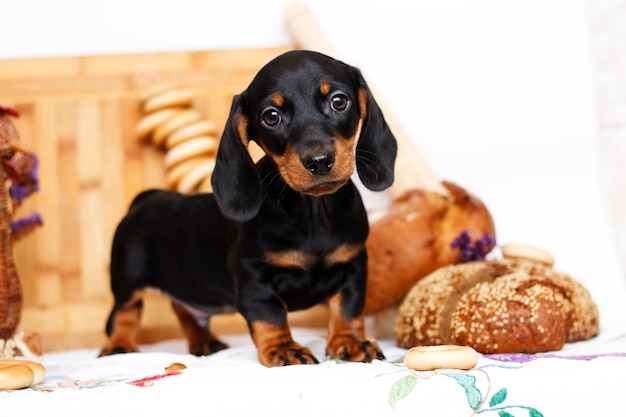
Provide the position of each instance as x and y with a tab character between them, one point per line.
123	326
200	339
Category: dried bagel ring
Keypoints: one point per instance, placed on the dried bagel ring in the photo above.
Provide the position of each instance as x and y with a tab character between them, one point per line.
531	253
197	128
203	145
178	120
195	177
427	358
179	97
177	172
156	89
14	377
170	123
148	123
206	186
17	374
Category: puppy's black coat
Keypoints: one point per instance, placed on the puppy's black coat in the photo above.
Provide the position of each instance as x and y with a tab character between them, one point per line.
283	234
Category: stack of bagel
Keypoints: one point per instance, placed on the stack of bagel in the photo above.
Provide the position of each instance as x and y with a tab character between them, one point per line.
190	142
17	374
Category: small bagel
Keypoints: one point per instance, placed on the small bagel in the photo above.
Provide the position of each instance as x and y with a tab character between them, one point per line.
198	128
194	177
530	253
203	145
179	97
206	186
149	122
16	377
155	89
178	120
428	358
177	172
17	374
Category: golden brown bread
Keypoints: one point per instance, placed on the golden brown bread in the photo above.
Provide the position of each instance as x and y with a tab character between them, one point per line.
498	306
413	239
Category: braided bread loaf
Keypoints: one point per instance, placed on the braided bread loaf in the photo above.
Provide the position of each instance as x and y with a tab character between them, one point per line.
500	306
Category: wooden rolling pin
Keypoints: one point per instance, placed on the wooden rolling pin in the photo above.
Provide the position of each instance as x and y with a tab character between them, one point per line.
412	170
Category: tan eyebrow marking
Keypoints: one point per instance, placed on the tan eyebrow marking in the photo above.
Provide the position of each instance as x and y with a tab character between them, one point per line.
325	87
343	254
290	259
277	99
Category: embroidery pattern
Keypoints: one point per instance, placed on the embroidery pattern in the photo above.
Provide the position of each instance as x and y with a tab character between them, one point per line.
527	357
100	382
76	384
476	399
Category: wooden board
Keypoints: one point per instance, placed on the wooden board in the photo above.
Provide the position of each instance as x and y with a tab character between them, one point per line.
79	114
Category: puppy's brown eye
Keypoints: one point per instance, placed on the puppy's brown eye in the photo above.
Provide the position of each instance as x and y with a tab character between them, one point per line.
339	102
271	117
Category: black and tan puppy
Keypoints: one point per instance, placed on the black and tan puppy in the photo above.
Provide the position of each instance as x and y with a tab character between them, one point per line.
284	234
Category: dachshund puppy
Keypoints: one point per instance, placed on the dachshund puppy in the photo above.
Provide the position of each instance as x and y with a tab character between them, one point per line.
283	234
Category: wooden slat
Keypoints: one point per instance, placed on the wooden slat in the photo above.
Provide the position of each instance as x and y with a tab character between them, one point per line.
125	75
79	114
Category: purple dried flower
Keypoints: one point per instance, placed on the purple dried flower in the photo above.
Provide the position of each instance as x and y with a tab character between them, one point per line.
19	192
473	250
24	223
462	240
27	184
33	173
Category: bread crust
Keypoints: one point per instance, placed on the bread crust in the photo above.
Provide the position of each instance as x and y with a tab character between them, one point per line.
413	239
498	306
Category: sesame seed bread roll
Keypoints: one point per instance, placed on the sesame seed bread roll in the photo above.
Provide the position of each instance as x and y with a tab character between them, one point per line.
500	306
515	313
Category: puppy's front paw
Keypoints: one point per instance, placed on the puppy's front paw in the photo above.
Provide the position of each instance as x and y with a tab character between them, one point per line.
286	354
114	350
207	347
354	349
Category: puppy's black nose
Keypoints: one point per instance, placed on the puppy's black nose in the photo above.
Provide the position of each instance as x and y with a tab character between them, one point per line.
319	164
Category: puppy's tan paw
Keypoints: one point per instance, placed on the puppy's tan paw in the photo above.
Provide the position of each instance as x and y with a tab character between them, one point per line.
114	350
286	354
354	349
207	348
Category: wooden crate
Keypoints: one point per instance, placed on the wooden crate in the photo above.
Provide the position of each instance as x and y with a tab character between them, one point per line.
79	114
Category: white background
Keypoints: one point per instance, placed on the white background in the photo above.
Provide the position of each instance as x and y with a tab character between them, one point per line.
498	95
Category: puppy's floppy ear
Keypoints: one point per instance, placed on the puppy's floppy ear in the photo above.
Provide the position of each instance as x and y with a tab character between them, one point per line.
235	180
376	149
